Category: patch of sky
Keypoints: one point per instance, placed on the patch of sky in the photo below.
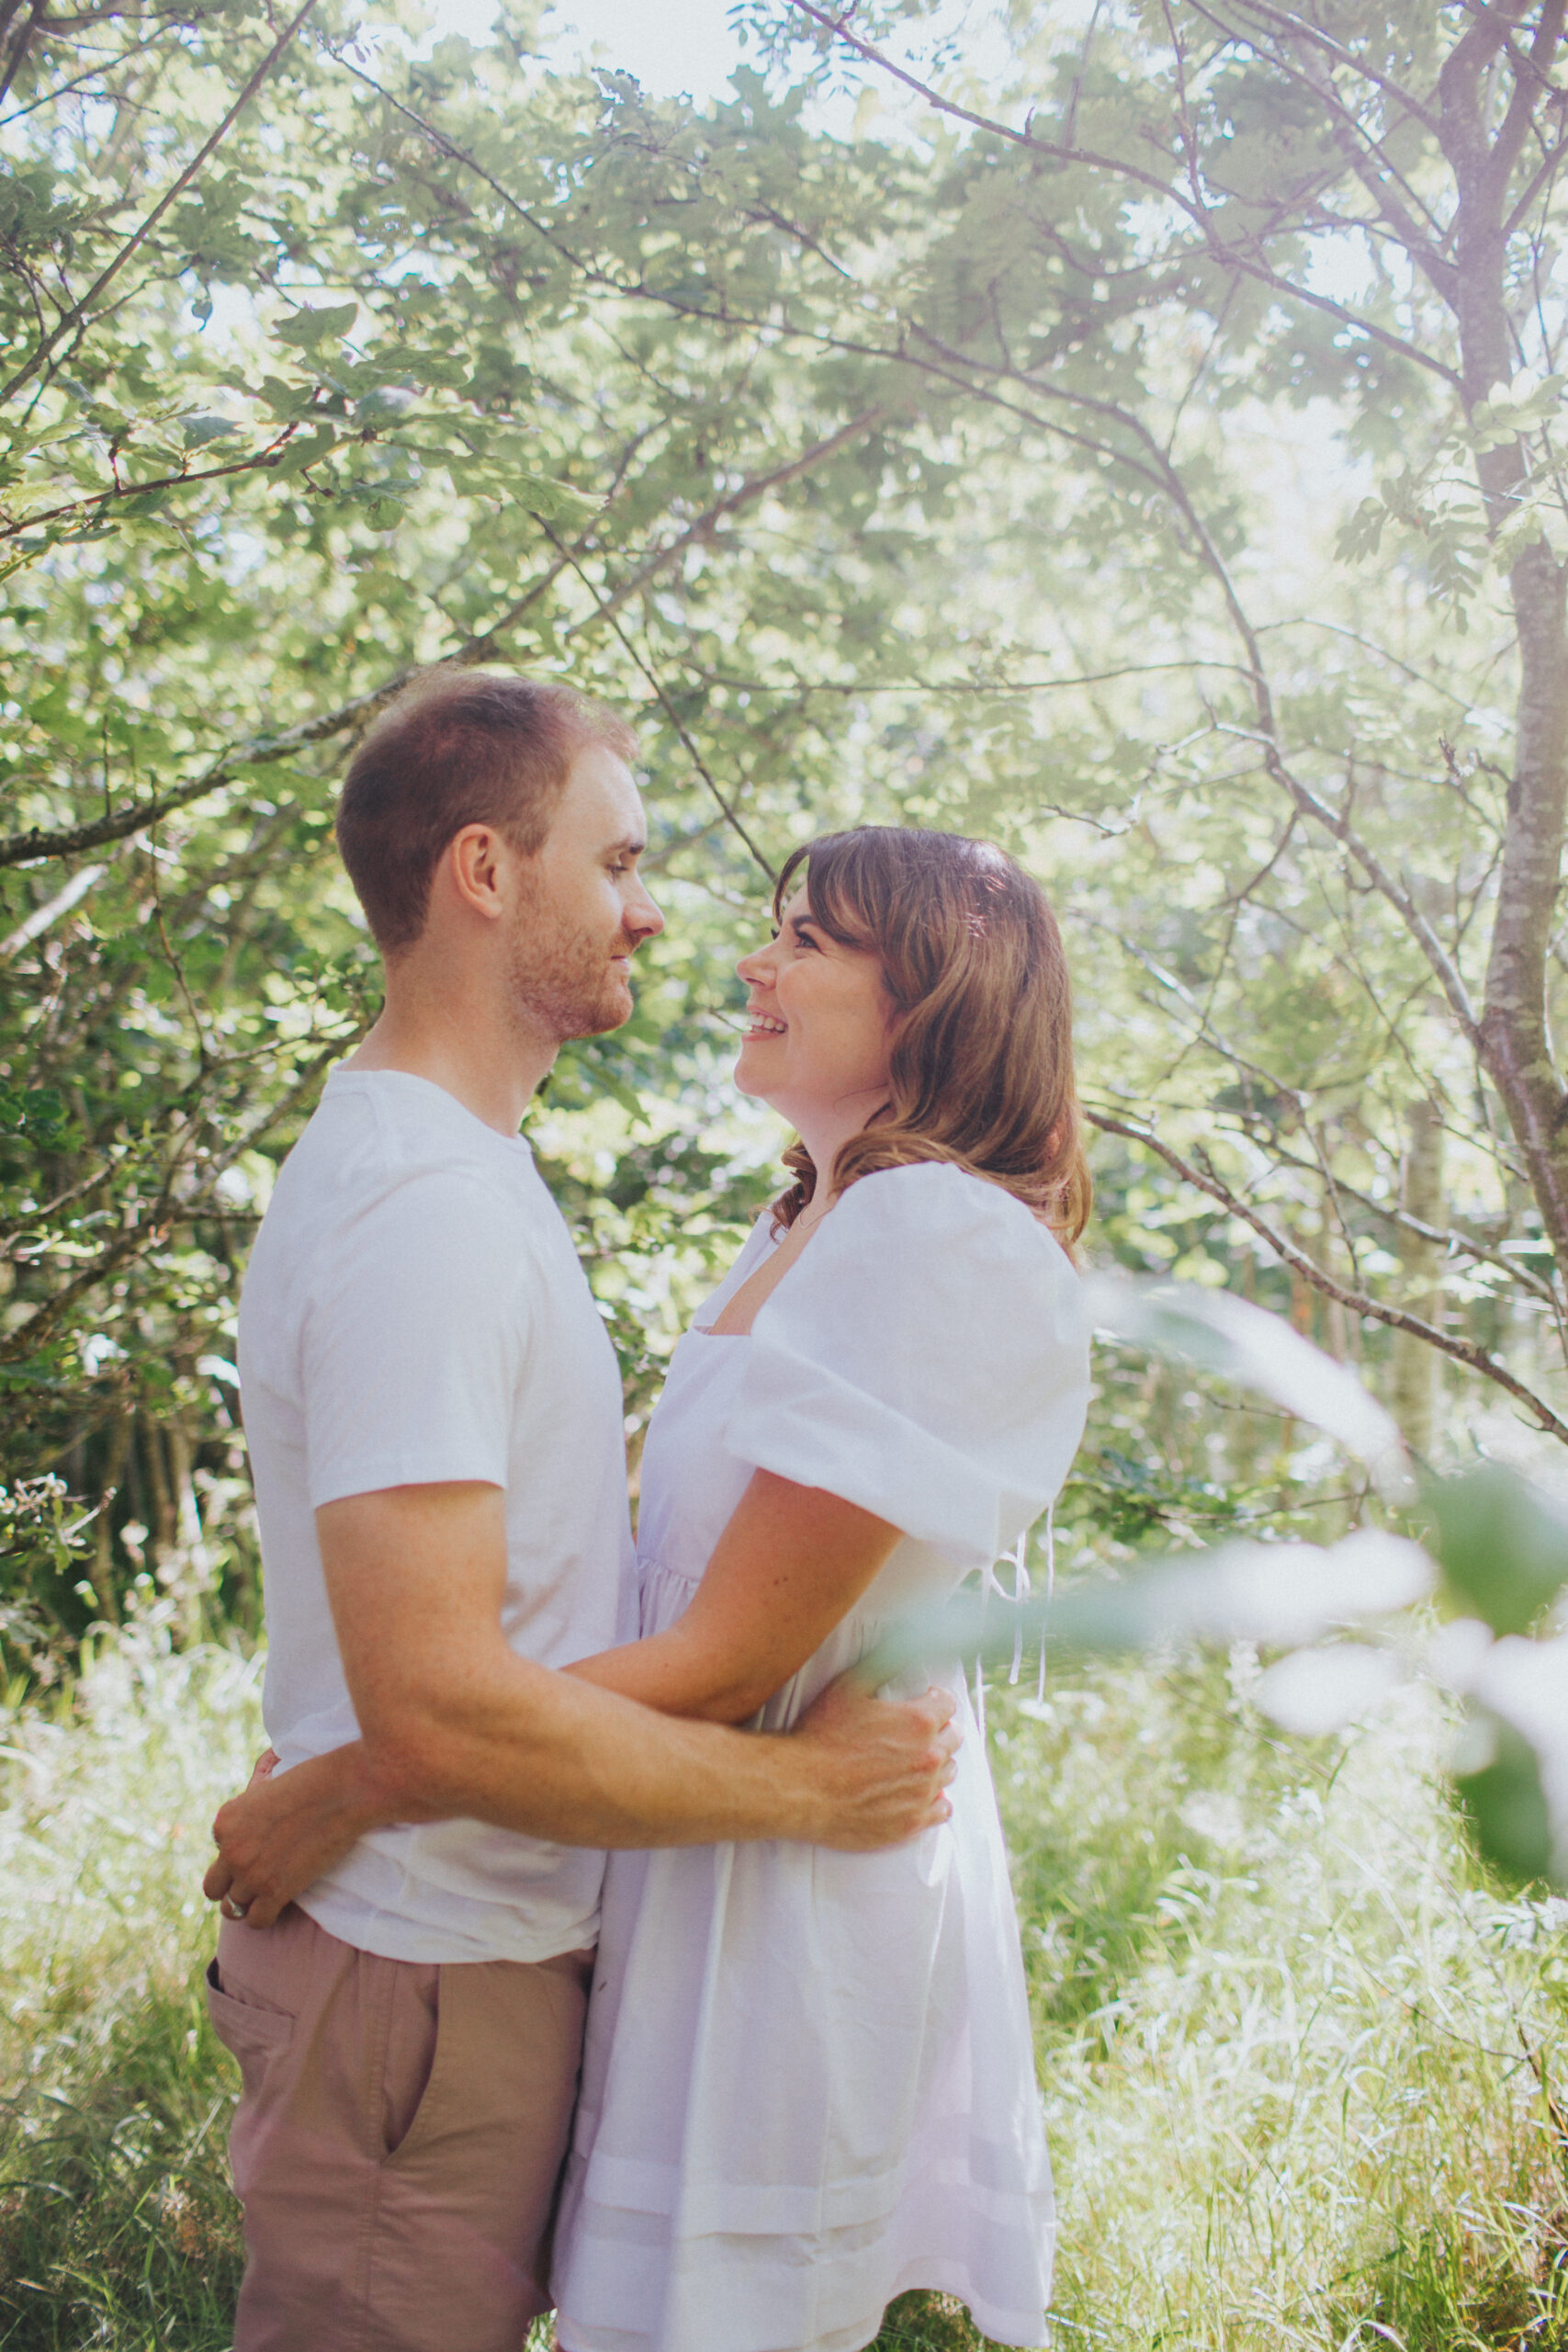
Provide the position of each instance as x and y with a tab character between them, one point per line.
1341	267
691	47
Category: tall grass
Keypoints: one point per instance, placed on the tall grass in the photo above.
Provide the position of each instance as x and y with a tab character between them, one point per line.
1293	2049
116	2225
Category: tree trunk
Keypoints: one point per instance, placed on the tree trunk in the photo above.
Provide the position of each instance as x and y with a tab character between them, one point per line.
1515	1043
118	1453
1416	1367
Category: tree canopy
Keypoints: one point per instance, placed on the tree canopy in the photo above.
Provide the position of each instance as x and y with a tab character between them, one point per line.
1149	459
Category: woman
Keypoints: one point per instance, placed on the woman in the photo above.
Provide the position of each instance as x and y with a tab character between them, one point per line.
808	2082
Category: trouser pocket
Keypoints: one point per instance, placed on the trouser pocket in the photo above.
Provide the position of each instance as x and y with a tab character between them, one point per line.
251	2034
260	2042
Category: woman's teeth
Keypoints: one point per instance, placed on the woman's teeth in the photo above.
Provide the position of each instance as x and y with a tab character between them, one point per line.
764	1025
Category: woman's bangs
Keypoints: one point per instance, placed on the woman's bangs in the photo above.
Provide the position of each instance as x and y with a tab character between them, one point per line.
835	882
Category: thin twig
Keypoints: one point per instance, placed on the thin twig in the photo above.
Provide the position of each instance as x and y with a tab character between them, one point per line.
78	311
1465	1351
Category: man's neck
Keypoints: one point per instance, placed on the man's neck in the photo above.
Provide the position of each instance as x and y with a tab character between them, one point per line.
473	1051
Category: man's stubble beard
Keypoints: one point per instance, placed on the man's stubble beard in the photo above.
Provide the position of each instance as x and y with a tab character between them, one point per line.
559	978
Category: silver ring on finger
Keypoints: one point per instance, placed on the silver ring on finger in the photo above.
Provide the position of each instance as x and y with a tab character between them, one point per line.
232	1910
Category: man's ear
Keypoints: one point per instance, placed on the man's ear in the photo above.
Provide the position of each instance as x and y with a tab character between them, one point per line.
477	863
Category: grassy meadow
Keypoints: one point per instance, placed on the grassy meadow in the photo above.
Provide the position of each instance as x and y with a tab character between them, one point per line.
1294	2049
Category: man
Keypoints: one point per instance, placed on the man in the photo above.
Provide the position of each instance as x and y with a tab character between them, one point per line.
434	1417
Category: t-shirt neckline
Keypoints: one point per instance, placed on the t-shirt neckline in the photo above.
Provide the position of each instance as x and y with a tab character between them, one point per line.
341	1078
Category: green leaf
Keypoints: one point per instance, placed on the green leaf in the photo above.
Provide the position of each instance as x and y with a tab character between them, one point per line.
1283	1594
201	430
38	1113
1502	1545
308	328
383	403
304	450
1504	1801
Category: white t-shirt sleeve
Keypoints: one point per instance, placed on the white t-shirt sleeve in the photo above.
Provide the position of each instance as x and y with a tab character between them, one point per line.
414	1341
927	1357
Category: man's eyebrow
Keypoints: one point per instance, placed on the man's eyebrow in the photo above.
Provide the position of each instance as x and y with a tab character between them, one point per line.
633	845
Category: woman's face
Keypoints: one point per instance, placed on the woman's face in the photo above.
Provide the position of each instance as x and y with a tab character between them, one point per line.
821	1028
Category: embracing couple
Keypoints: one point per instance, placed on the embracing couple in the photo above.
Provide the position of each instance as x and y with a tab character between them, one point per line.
806	2083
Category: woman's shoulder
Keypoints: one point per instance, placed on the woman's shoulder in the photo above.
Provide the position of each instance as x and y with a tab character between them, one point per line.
939	1202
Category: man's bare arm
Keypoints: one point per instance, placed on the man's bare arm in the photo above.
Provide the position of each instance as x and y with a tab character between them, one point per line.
454	1723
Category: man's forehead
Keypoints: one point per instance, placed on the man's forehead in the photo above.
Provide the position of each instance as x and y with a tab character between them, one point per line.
601	790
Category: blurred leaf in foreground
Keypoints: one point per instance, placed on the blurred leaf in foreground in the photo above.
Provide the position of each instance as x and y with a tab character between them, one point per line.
1259	1351
1502	1797
1502	1544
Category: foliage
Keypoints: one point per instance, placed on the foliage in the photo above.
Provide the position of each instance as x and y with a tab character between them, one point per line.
117	2222
1108	468
1150	460
1289	2047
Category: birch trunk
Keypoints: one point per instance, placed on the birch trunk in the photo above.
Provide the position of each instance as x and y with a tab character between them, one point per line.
1416	1368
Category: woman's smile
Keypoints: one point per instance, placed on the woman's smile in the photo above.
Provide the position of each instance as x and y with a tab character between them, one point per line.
825	1000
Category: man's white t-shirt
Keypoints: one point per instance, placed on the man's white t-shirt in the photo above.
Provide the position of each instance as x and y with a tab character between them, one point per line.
414	1312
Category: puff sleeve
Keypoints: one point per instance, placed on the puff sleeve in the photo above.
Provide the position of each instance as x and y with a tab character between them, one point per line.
927	1357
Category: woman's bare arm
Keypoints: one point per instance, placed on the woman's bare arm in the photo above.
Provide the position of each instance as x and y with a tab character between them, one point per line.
791	1562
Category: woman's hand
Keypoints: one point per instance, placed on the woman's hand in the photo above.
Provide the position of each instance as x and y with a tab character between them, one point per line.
286	1829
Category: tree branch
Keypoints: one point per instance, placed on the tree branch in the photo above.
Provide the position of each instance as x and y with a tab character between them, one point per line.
1377	874
1465	1351
19	849
78	311
1232	257
731	814
258	460
1286	21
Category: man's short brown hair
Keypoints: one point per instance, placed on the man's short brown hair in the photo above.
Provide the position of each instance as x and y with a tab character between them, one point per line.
458	747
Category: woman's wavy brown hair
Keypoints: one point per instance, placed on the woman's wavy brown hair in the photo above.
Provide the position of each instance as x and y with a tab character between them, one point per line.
981	1071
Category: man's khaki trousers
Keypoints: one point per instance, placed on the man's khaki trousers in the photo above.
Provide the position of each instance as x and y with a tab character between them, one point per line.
398	2141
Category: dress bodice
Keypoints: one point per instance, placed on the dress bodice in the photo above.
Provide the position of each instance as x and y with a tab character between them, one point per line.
692	1480
925	1357
808	2083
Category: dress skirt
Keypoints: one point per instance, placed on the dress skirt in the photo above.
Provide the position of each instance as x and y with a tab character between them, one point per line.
822	2090
808	2082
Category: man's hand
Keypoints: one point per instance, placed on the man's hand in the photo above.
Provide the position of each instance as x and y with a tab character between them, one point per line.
282	1833
887	1763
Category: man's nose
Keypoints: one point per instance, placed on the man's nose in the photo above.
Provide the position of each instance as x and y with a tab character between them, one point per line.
642	916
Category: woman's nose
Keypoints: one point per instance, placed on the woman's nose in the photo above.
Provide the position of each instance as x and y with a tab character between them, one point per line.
756	969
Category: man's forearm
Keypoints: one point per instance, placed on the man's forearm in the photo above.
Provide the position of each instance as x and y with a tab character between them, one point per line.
556	1758
455	1725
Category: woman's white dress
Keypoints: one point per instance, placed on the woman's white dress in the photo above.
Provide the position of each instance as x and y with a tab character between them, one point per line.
808	2080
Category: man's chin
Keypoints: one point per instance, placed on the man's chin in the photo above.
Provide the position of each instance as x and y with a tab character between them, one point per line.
612	1010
